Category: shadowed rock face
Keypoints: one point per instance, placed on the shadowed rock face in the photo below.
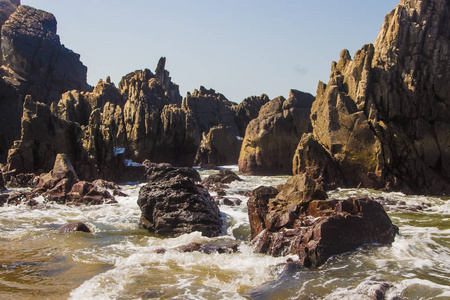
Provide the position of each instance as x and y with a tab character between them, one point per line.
271	139
34	60
248	110
384	116
172	204
7	7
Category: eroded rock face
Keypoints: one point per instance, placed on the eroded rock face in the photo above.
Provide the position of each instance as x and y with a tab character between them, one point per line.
248	110
271	139
34	60
300	220
210	109
10	114
384	115
172	204
218	147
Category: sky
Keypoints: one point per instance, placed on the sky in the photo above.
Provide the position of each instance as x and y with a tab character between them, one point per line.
238	48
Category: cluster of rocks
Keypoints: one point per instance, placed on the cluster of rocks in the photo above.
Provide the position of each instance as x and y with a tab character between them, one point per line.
300	220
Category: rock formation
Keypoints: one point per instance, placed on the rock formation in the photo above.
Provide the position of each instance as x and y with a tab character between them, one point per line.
7	7
300	220
172	204
271	139
384	117
218	147
248	110
34	60
210	109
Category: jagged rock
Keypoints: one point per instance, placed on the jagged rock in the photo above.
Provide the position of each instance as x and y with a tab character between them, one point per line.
2	182
7	7
20	180
73	227
299	220
210	109
87	193
318	163
10	115
271	139
224	247
228	201
34	60
248	110
62	176
218	147
163	172
384	115
172	204
172	90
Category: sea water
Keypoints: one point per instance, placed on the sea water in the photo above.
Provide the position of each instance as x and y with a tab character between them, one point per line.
118	260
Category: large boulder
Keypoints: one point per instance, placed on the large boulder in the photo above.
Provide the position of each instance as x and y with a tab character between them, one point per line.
271	139
383	117
301	220
172	204
34	60
218	147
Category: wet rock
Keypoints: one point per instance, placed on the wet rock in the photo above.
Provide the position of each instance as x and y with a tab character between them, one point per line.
209	167
160	251
299	220
172	204
73	227
227	201
224	177
34	60
62	172
271	139
2	182
86	193
221	248
163	172
368	290
245	193
383	119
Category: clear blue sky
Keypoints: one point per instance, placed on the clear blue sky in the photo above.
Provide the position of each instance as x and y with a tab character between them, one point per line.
239	48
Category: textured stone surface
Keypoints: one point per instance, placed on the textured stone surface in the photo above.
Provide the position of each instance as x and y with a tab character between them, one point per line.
300	220
248	110
384	115
10	115
271	139
34	60
218	147
210	109
172	204
73	227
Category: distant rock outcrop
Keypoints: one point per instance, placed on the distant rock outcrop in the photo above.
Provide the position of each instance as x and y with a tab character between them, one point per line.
218	147
34	60
248	110
384	116
210	109
300	220
271	139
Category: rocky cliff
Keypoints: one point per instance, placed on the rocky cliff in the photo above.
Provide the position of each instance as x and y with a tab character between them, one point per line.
271	139
34	60
383	117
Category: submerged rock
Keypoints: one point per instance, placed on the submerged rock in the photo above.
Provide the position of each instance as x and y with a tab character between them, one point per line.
300	220
172	204
73	227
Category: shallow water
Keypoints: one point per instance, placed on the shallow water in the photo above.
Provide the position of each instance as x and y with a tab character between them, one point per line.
117	260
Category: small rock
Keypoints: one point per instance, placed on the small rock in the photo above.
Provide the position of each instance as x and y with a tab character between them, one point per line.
73	227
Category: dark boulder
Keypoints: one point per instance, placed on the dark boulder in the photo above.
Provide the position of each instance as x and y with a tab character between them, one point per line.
248	110
299	220
223	177
86	193
172	204
73	227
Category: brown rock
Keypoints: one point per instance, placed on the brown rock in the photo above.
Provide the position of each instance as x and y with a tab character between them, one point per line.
34	60
248	110
294	222
73	227
271	139
87	193
62	172
218	147
384	115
